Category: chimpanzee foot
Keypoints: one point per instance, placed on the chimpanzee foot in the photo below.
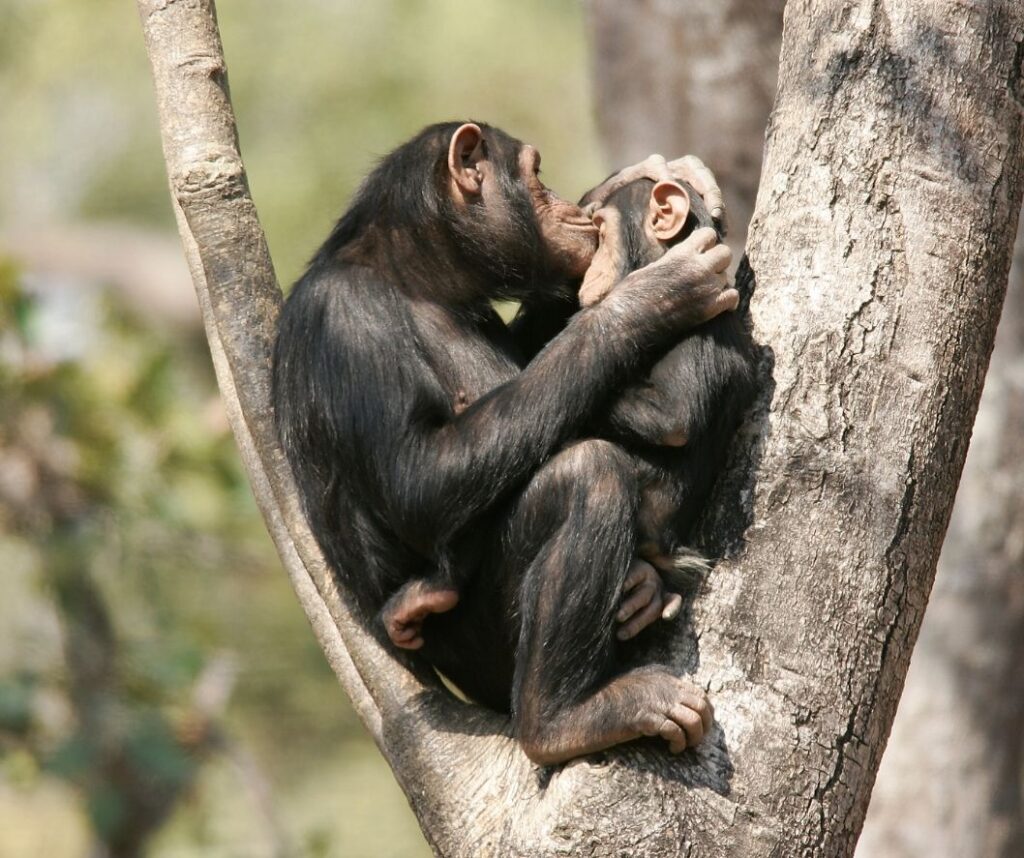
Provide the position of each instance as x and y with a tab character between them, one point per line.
643	702
404	613
645	601
676	710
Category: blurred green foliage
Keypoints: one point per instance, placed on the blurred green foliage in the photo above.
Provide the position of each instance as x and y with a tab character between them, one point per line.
321	88
137	574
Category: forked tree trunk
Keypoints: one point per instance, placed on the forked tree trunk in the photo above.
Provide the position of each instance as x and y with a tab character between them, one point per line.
881	244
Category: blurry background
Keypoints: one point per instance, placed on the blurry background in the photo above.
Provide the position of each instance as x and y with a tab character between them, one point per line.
160	690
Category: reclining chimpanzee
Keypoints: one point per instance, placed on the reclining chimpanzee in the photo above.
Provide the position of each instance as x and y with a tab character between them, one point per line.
426	447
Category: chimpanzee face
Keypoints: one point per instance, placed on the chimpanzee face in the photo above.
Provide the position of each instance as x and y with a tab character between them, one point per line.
495	182
569	236
608	265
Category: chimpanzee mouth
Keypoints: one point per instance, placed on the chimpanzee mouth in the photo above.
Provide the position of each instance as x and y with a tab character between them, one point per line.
583	224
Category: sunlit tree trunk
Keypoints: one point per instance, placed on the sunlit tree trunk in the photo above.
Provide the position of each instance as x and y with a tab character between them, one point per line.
950	783
895	134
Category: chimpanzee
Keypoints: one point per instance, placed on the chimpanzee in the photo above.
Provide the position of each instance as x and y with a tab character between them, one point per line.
426	446
679	420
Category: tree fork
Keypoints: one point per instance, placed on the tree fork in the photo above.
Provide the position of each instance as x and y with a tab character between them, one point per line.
881	244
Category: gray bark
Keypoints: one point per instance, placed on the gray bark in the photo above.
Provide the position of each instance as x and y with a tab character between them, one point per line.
700	77
950	783
881	239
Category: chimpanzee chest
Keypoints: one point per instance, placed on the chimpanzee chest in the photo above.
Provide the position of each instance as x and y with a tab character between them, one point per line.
471	358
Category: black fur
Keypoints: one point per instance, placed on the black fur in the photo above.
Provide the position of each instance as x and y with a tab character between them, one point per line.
389	327
701	388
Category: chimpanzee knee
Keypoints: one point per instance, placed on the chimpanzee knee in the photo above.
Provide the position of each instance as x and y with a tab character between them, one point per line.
582	488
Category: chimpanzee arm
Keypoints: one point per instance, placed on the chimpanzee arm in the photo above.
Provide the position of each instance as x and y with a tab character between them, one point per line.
644	413
439	478
710	370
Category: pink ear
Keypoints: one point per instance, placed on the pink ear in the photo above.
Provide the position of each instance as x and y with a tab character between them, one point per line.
464	153
669	208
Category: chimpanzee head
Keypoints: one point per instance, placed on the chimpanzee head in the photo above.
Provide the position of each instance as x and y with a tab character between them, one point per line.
637	224
460	213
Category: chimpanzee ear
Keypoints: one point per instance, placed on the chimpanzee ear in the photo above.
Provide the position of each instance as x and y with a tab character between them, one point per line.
669	207
464	155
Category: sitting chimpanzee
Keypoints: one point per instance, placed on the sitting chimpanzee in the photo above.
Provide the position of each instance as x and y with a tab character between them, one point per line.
678	422
423	447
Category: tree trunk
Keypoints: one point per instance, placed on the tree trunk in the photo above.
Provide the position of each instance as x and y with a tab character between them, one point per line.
893	179
950	782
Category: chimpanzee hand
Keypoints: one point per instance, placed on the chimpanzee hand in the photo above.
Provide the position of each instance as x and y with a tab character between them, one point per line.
403	614
689	168
688	283
645	600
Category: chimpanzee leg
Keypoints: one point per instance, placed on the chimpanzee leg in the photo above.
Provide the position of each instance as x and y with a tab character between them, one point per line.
571	539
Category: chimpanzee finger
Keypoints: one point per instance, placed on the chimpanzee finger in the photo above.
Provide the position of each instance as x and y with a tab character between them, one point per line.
639	571
727	301
719	257
694	699
691	169
691	723
656	168
699	241
672	733
707	714
646	617
673	604
406	637
640	597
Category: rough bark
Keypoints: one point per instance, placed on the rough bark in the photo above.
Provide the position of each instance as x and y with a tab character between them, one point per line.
950	785
881	243
950	782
